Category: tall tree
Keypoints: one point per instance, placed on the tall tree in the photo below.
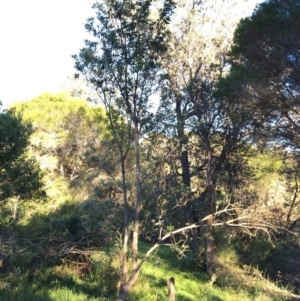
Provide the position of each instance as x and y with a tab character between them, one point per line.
202	33
266	60
265	76
122	63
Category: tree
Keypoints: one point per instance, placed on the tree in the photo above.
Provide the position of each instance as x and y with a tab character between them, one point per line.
266	57
194	64
20	176
66	132
122	63
265	77
71	142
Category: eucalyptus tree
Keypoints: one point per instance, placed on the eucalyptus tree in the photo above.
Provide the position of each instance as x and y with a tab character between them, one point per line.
122	62
202	32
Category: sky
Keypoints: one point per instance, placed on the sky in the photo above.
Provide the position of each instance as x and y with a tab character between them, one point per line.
37	39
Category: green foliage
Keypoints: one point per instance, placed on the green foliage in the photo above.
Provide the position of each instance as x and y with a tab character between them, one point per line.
195	285
265	167
105	273
253	252
67	140
67	248
14	136
122	60
266	50
66	130
33	278
20	175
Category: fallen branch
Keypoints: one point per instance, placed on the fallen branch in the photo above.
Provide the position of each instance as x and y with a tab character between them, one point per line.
271	285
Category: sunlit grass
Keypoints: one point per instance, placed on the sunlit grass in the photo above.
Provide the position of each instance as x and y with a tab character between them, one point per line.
192	284
64	283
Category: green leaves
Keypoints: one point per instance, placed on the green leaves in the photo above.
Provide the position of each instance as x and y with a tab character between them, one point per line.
266	47
19	175
121	61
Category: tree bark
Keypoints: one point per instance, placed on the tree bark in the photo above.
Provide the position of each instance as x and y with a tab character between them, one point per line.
126	287
186	175
209	254
138	197
124	267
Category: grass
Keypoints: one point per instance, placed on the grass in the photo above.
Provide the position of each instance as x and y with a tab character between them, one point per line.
193	283
152	284
62	283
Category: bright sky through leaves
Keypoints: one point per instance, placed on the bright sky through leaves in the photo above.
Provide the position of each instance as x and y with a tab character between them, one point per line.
37	39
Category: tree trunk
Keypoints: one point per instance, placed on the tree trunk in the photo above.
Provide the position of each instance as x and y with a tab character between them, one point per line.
171	288
124	267
127	287
209	255
186	175
138	198
186	179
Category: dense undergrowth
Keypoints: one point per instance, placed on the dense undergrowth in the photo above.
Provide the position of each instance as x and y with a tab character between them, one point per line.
73	256
66	279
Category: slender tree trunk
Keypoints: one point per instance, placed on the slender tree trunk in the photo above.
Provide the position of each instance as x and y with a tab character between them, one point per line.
125	289
126	286
124	267
138	198
188	210
209	254
123	155
185	165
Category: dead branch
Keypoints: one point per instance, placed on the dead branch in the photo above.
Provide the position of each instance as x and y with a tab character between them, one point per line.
155	246
254	219
271	285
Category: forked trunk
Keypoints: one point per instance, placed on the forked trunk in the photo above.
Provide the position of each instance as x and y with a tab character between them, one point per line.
126	286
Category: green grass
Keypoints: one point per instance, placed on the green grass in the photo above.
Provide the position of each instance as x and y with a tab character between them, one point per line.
192	283
44	294
62	283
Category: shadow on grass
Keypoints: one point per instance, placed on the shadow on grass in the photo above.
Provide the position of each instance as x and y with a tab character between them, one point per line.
34	270
53	282
25	295
53	288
